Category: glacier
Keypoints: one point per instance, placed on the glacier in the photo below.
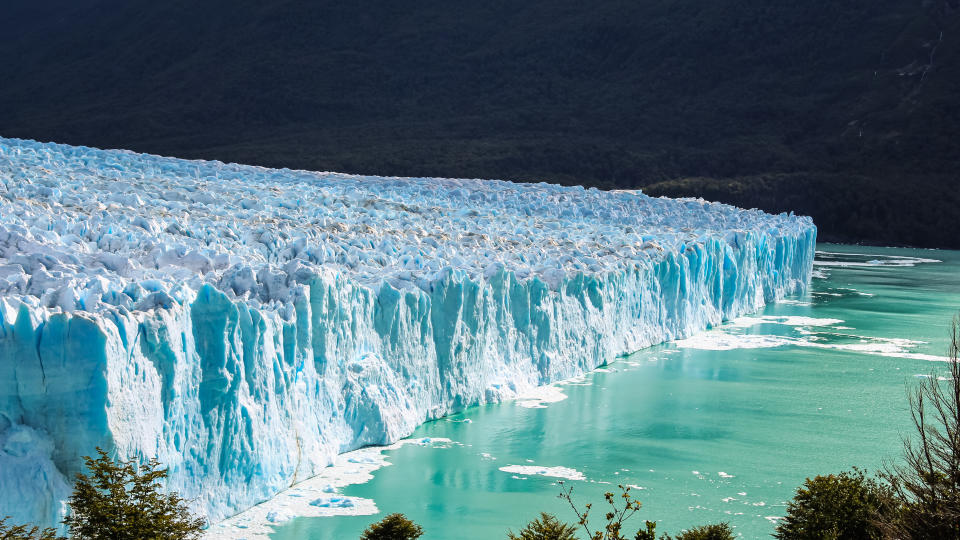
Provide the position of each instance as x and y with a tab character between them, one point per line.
245	325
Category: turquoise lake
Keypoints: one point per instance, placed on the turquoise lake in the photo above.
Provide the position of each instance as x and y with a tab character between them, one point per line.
720	427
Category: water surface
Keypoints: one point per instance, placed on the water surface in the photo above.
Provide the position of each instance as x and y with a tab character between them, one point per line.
721	427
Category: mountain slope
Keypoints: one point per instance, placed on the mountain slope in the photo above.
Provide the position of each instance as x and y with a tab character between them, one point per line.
681	98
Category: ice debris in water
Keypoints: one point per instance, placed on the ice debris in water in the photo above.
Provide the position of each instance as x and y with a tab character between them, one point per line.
245	325
331	502
556	472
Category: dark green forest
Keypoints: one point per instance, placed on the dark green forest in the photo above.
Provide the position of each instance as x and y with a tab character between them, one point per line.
848	111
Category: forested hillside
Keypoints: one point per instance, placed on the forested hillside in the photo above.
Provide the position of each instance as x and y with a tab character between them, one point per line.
847	111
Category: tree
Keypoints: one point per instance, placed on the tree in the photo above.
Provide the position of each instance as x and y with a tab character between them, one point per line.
547	527
393	527
122	501
615	516
718	531
841	506
929	480
22	532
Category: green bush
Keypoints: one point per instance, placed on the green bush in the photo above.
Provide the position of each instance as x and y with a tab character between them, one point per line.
547	527
393	527
25	532
845	506
123	501
718	531
615	517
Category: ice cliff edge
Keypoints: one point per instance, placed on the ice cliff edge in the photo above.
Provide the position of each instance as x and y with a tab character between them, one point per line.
244	324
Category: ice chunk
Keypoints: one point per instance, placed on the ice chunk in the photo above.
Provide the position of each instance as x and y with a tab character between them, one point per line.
555	472
332	502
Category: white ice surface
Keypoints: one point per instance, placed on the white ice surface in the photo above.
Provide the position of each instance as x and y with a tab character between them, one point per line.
318	496
840	260
553	472
788	320
729	337
537	398
246	325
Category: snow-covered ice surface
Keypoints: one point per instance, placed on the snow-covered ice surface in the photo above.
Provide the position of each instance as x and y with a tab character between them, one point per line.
247	325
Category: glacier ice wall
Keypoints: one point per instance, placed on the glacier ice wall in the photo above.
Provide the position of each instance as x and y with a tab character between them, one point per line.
246	324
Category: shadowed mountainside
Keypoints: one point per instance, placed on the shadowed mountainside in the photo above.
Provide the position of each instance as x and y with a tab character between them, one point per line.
847	111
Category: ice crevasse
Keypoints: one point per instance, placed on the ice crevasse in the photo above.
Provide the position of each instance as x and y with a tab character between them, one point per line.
244	325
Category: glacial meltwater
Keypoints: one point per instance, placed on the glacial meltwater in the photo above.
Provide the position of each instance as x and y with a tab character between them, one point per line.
719	427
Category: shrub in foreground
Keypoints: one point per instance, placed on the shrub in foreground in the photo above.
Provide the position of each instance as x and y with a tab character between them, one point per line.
123	501
845	506
546	527
393	527
717	531
615	517
928	479
9	531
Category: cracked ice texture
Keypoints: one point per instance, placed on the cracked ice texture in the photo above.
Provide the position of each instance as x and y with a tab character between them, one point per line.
246	324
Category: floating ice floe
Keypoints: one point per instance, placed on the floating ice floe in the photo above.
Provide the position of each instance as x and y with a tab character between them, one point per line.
730	337
537	398
834	259
787	320
317	496
553	472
